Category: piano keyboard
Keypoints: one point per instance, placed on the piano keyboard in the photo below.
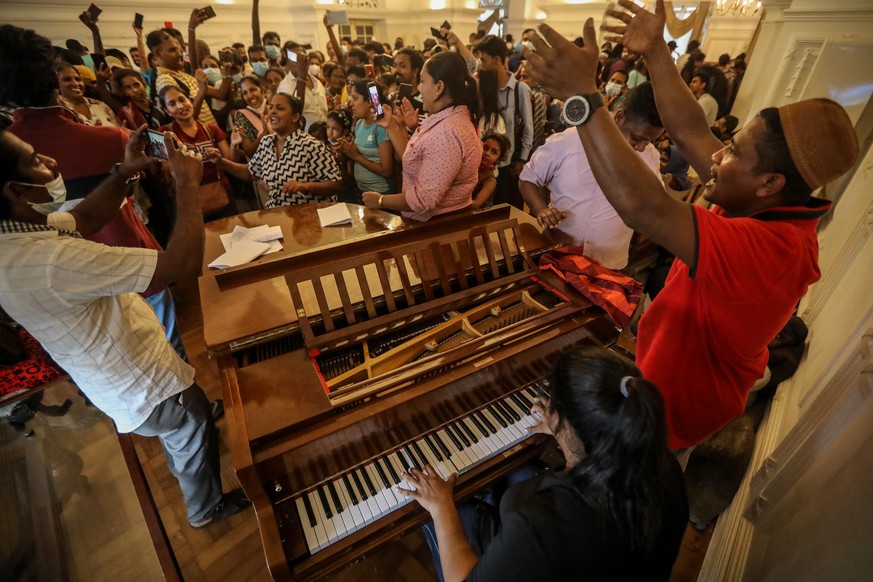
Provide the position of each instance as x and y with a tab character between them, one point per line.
339	507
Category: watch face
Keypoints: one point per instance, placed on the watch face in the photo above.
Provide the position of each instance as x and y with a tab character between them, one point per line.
576	109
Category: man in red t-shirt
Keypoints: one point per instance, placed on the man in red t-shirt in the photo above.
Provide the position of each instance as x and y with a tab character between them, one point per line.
741	268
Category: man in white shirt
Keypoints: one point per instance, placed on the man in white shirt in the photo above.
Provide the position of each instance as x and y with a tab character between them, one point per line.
559	186
314	98
81	301
698	86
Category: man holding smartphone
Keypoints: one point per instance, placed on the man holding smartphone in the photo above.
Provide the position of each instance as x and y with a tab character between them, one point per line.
299	83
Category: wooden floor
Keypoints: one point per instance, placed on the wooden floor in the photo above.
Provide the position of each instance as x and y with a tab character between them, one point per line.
104	536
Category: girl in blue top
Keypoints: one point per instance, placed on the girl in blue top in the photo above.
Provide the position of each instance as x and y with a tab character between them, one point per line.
371	151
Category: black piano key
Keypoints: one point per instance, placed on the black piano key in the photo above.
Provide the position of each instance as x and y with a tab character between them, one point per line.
475	420
413	460
443	447
335	497
394	476
369	482
454	437
361	491
420	454
309	512
433	448
324	504
350	489
463	423
522	403
512	414
382	474
491	429
498	414
403	462
461	434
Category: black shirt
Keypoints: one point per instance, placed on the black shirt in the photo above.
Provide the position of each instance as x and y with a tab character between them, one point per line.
548	532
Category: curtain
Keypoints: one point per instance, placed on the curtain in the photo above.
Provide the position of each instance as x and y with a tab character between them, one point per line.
693	22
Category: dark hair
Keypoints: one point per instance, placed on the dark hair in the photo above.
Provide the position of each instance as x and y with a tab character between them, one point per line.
416	59
451	69
357	70
254	80
296	104
739	65
67	56
625	439
615	52
492	46
361	88
359	54
125	73
429	43
692	46
704	77
270	34
237	45
501	140
639	105
8	170
318	130
166	89
774	156
26	59
155	38
256	48
730	123
117	53
374	46
342	117
276	70
174	32
724	59
398	43
490	110
622	72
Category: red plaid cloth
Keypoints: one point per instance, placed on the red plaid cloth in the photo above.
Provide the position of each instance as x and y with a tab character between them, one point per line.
615	293
35	370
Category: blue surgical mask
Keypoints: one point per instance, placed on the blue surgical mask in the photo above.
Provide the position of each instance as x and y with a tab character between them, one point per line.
260	69
56	189
273	52
213	75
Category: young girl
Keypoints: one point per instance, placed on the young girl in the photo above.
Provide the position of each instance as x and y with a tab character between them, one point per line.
371	151
209	141
495	146
339	128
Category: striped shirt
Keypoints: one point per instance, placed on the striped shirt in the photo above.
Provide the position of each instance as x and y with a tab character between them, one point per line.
79	300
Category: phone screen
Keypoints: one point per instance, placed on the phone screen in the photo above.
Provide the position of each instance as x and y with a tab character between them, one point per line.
292	56
137	20
374	98
155	146
98	59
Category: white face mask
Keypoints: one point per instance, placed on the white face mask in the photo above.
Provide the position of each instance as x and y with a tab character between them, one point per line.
56	189
613	89
315	70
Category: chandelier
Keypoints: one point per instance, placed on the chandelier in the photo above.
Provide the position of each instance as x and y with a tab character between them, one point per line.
737	7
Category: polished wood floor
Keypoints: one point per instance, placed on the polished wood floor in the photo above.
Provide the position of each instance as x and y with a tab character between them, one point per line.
102	533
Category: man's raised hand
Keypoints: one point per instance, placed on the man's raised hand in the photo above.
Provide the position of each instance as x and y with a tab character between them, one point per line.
641	31
559	66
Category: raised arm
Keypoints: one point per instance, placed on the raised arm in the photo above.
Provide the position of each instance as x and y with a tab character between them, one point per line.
141	47
256	23
337	48
565	70
681	113
396	133
91	23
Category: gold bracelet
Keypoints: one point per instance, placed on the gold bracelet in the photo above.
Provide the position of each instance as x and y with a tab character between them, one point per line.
381	196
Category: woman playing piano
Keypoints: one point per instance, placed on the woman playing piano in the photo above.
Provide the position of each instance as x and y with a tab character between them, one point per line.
441	159
616	511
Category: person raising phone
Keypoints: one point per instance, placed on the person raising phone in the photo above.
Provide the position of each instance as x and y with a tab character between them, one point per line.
441	159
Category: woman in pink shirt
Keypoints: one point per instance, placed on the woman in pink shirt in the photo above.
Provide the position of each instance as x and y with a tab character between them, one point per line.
441	159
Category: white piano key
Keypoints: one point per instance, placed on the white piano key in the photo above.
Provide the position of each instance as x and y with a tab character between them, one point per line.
346	515
324	530
354	510
308	530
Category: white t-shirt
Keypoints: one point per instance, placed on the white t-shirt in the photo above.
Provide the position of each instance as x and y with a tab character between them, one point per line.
561	164
710	108
315	104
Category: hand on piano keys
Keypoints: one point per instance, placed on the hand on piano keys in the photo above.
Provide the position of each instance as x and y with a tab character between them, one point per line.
429	488
353	500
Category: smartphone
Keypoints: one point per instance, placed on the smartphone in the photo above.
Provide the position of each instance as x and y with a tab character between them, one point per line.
374	99
292	56
383	61
225	56
405	92
370	71
435	32
137	20
94	11
155	145
208	12
99	59
335	17
168	24
446	25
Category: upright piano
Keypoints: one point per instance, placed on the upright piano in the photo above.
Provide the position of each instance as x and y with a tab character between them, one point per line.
355	354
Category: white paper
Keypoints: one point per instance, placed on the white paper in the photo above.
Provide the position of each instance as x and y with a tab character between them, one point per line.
262	234
335	215
242	252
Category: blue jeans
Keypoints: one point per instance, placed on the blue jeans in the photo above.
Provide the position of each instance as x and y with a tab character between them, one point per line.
165	309
480	518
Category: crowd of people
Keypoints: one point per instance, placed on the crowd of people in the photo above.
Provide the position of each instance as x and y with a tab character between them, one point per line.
577	133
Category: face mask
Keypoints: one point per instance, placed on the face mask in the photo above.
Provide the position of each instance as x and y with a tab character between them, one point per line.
258	110
272	52
237	78
612	89
56	189
213	75
88	61
260	69
345	49
315	70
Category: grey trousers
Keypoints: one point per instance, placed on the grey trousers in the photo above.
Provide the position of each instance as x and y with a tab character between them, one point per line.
184	425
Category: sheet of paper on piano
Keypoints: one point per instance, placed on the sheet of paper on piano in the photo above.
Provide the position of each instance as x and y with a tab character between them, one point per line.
241	253
335	215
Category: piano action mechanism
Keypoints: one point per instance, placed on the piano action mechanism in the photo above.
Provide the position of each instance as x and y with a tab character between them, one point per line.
421	345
